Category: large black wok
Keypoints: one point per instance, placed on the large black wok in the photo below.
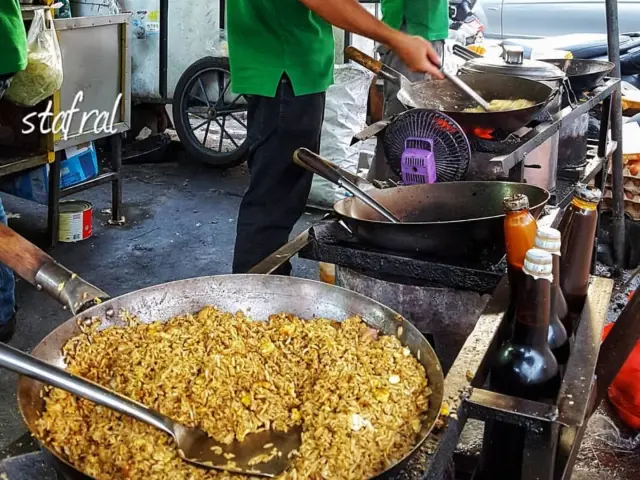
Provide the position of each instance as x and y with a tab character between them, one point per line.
583	74
451	219
446	97
258	295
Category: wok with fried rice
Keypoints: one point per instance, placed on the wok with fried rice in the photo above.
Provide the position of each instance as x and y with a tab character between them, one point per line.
333	360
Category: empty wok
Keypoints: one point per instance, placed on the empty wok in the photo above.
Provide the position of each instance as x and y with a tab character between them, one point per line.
451	219
258	295
583	74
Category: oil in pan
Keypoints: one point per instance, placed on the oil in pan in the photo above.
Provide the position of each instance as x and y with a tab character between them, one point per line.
76	221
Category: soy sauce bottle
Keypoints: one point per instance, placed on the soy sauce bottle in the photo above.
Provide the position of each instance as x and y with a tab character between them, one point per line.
549	239
519	234
578	230
525	367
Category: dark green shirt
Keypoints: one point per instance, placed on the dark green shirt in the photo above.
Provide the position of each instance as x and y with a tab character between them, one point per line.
427	18
13	38
270	37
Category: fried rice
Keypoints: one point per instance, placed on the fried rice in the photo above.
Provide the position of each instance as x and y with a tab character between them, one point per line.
360	397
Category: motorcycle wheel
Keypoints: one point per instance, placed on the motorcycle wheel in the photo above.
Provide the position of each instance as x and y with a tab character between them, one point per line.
211	122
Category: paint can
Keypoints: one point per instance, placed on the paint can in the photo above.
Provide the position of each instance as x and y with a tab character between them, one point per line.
76	221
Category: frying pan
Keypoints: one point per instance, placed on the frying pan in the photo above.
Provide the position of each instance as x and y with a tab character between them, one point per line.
583	74
444	96
258	295
440	219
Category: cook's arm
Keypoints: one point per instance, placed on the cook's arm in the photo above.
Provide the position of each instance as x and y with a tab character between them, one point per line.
349	15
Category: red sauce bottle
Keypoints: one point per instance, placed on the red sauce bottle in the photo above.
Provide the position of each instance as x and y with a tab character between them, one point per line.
549	240
519	234
578	230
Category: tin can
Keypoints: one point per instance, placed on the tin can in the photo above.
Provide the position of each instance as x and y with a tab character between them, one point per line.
76	221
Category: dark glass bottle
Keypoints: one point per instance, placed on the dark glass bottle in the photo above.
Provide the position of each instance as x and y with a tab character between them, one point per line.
578	230
525	366
519	235
549	239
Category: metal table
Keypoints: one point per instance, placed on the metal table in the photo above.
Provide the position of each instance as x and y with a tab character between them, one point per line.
105	40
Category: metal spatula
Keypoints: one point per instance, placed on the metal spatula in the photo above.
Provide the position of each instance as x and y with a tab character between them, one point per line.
194	445
396	77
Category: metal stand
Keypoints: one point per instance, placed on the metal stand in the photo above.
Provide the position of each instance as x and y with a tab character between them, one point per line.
56	193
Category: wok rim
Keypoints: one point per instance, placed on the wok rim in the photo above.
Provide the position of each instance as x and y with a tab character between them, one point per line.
533	108
340	203
433	373
605	64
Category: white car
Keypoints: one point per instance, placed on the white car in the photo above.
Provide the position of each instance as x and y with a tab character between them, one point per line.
546	18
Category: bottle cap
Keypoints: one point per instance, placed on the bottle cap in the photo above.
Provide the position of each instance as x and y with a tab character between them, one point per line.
588	194
515	202
539	264
548	239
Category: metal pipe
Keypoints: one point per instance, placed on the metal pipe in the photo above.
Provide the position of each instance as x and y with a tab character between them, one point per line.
164	49
223	13
613	39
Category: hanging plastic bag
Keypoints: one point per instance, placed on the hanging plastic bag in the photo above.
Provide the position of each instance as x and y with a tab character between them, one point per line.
43	75
624	392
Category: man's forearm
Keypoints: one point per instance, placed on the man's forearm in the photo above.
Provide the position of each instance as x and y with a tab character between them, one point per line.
351	16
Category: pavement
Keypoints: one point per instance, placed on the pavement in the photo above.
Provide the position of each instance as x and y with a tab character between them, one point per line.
180	223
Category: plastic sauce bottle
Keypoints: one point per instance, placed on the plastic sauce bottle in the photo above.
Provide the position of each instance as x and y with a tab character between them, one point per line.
520	234
549	240
578	230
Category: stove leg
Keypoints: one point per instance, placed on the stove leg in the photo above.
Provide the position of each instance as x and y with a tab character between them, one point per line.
601	177
539	456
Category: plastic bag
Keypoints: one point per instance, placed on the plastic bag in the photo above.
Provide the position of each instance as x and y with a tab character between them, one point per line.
218	46
624	392
345	115
43	75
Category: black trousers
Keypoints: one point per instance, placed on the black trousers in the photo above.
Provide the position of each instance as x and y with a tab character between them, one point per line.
278	189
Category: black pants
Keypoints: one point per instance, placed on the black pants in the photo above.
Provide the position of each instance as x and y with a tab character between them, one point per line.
278	189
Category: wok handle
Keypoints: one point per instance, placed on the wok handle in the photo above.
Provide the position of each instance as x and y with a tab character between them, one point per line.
316	164
43	272
372	64
32	367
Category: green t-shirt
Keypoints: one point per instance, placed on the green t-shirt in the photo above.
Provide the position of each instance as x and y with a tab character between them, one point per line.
270	37
13	38
426	18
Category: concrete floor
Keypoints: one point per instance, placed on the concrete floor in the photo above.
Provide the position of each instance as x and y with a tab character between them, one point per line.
180	224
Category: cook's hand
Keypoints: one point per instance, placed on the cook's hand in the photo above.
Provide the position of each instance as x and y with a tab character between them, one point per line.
418	54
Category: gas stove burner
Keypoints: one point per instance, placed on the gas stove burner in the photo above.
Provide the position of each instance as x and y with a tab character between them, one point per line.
488	140
425	146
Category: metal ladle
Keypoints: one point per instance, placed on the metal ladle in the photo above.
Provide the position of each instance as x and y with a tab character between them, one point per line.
402	81
194	445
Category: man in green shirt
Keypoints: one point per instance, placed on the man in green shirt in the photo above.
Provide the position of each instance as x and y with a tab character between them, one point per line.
428	19
281	55
13	58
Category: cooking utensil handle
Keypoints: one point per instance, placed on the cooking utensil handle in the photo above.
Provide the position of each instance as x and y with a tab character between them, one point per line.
282	255
372	64
318	165
42	271
30	366
467	89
